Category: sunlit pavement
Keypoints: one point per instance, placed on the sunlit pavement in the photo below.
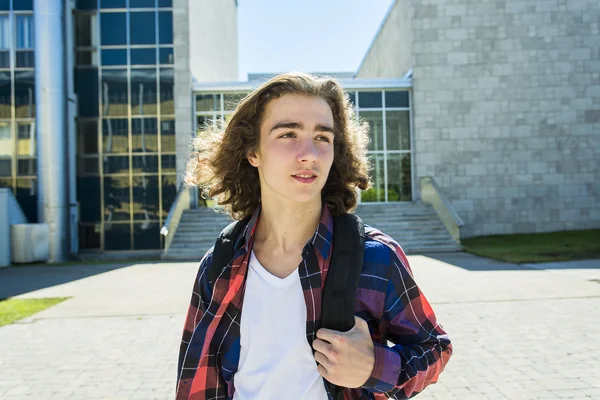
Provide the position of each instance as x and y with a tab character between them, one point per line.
519	332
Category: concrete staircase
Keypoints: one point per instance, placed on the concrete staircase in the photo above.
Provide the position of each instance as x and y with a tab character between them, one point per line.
415	226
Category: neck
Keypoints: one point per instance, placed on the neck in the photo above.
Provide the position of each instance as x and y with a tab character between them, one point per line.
287	229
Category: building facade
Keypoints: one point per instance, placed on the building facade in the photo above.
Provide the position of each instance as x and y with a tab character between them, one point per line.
506	107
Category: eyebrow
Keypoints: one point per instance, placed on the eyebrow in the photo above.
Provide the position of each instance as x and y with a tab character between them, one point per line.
298	125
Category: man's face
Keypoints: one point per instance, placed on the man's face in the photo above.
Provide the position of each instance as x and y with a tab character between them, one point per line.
295	151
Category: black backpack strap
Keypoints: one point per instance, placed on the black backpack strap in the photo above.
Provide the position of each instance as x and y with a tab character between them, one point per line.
224	248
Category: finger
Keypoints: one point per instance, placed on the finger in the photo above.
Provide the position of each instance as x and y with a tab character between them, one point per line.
323	371
322	360
328	335
322	346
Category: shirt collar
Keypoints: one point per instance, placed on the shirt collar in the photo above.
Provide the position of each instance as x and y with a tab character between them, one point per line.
321	240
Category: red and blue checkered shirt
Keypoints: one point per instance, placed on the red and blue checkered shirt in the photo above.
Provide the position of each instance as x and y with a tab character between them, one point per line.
388	299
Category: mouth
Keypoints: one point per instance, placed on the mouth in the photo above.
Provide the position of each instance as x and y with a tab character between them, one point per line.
305	177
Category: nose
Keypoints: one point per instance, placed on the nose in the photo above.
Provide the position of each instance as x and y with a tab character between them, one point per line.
307	151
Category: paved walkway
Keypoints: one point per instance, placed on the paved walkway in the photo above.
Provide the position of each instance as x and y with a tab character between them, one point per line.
519	332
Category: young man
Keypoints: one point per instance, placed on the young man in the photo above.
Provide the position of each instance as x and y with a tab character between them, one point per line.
291	158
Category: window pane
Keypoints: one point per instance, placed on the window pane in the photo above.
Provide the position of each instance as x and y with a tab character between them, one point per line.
165	3
144	135
113	29
6	142
376	193
84	30
143	92
87	137
142	3
369	100
143	56
89	236
396	99
5	94
87	165
114	92
115	135
86	88
26	139
167	106
4	33
26	166
4	5
27	198
208	102
375	120
399	177
169	192
24	31
113	4
23	5
166	55
86	4
114	57
86	57
4	58
145	198
352	97
25	94
116	164
25	59
88	195
116	198
142	27
165	27
146	236
167	135
397	125
231	100
168	163
117	236
5	166
144	164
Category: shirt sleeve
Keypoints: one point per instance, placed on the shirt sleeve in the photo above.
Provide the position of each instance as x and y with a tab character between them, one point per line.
421	348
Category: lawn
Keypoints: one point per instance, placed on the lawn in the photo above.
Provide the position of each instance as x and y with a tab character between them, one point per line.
537	247
12	309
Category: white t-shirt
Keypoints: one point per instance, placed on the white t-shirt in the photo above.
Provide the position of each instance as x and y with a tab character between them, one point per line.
276	361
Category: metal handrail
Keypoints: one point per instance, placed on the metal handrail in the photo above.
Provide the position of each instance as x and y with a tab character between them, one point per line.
431	194
181	203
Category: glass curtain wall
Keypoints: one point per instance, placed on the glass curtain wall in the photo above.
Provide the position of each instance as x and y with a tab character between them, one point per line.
126	122
388	115
18	155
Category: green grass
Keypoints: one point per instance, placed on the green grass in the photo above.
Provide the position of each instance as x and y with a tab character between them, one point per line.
12	309
537	247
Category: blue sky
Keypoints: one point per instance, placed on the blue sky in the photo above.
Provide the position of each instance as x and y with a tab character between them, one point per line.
308	35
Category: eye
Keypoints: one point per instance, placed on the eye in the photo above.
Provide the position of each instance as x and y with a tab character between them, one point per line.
324	138
288	135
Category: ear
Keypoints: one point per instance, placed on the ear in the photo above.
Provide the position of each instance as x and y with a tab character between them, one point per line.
253	158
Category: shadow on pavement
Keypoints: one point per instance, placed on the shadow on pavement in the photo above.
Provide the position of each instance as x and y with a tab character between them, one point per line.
475	263
19	280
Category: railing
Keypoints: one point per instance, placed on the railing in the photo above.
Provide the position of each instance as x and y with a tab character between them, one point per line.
182	202
431	194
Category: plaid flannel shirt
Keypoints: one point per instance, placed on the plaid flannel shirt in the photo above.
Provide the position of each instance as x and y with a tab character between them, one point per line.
388	299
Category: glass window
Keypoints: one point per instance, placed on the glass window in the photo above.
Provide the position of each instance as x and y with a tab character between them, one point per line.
165	27
167	135
86	88
396	99
142	27
117	236
116	198
25	94
89	236
87	137
4	33
143	56
86	57
25	59
27	197
114	92
165	55
168	163
144	164
397	125
142	3
145	198
208	102
116	164
87	165
26	166
5	167
86	4
399	177
113	4
4	5
231	100
85	30
375	193
88	195
375	120
4	59
5	94
144	135
112	57
113	29
6	143
115	135
165	3
167	106
26	139
23	5
24	27
169	192
369	100
146	236
143	92
352	97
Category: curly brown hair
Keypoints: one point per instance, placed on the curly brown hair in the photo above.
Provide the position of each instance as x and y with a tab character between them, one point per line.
219	166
